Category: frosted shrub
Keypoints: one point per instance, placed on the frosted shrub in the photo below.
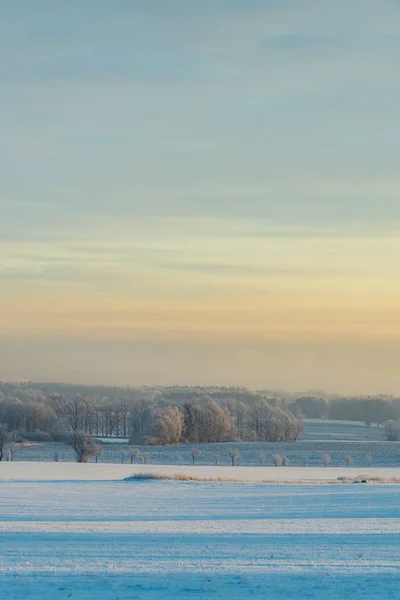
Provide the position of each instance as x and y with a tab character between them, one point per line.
83	447
277	460
285	461
327	459
4	438
392	430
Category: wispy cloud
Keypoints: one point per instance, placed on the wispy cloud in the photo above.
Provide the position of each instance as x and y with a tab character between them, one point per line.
176	155
249	270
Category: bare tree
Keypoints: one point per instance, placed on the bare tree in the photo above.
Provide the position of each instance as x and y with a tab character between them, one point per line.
195	453
369	460
97	451
134	453
136	419
12	450
285	460
234	456
261	459
349	459
4	438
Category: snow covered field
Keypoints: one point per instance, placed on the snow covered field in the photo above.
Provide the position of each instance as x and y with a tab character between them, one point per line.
75	531
28	471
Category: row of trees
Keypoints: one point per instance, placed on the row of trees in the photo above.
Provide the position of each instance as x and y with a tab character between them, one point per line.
145	421
370	410
105	411
206	421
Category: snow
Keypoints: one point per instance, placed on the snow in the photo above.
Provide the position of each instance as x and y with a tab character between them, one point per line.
111	440
32	471
80	532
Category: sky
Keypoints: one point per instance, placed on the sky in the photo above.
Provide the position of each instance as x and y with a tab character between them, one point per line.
201	193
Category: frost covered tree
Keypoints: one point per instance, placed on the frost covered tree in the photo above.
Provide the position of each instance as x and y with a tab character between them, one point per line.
83	447
4	438
134	453
326	458
206	421
349	459
195	453
97	451
392	430
272	424
234	455
159	425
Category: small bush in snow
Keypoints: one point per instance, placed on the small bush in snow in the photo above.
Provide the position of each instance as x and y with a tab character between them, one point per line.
327	459
234	456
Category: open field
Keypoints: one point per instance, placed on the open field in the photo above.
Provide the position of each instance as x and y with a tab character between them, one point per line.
365	445
302	453
83	538
58	472
324	429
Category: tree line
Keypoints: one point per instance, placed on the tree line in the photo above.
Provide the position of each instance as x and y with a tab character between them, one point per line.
171	414
149	420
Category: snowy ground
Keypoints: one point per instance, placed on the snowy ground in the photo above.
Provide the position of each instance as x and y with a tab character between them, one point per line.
26	471
75	533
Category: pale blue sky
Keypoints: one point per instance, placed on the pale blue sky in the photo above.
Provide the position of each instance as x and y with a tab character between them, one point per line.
198	153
